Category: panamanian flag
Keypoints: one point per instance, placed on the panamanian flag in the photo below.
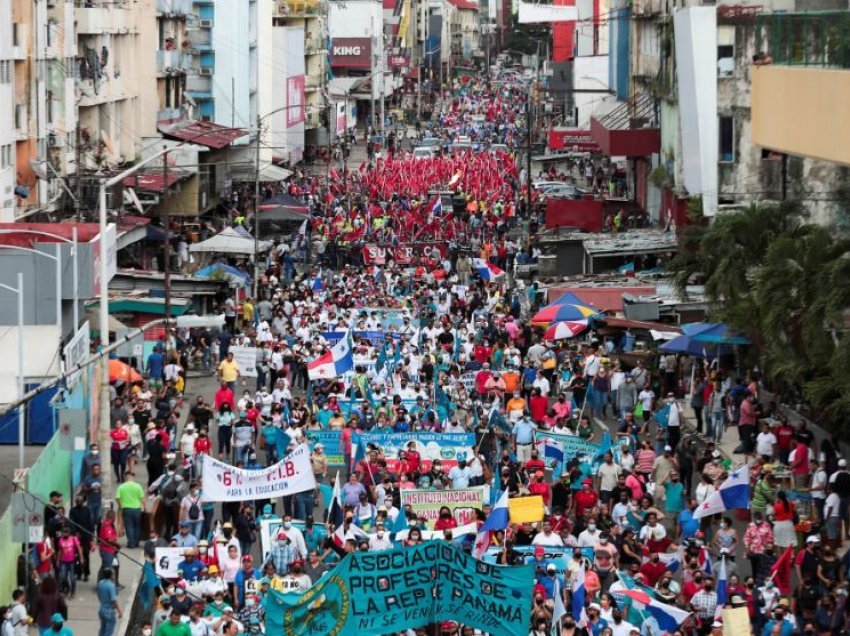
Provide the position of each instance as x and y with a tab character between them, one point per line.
486	270
437	208
333	363
733	493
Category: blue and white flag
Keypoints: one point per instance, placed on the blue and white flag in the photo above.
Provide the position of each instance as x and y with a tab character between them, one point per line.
498	519
733	493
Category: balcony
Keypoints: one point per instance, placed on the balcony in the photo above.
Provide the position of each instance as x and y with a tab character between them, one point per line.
200	38
199	85
174	7
805	39
99	20
629	130
299	8
171	62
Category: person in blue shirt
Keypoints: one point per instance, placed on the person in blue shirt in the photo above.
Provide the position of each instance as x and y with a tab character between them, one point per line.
109	611
190	567
324	416
246	573
57	627
550	580
156	367
688	526
401	425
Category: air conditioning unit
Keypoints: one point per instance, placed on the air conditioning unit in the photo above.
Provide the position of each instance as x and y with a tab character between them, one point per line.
205	70
205	24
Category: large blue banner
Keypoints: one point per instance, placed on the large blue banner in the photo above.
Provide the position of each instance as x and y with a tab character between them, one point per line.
560	556
431	446
558	450
332	442
384	592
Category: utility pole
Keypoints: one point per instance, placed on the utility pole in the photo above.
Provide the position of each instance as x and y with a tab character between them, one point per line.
257	208
528	155
167	246
78	152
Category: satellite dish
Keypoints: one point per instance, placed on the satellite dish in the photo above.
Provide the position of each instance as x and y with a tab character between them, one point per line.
39	168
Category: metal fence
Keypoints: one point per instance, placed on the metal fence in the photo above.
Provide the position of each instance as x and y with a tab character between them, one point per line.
805	39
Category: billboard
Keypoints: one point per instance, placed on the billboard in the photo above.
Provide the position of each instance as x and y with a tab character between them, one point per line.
351	53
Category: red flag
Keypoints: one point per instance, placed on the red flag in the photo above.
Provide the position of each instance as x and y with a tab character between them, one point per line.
781	571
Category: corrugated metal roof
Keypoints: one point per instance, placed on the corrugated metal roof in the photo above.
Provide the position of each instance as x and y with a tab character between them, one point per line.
153	180
205	133
605	298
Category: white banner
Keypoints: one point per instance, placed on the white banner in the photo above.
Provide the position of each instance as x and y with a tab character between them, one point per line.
166	561
223	482
246	358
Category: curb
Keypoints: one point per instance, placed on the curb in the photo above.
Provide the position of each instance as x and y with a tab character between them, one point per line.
123	626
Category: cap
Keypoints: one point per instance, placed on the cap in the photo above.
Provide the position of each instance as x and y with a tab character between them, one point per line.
813	538
595	606
57	618
767	468
715	454
784	602
165	598
299	560
842	462
668	449
203	543
247	558
551	567
227	609
213	569
539	551
227	525
319	445
281	535
180	591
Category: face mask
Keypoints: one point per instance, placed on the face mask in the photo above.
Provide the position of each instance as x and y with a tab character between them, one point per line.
380	535
95	452
287	524
591	527
282	542
249	602
146	632
723	525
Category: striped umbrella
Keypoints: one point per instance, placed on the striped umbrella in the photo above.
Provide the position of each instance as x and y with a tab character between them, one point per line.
568	307
565	329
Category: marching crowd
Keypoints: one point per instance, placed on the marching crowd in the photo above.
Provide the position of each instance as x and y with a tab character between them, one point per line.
455	352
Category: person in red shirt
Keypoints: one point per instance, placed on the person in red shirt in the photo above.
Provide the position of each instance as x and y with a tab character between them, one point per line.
653	569
534	464
120	448
692	586
481	379
224	396
446	519
202	444
559	522
585	498
414	460
107	540
252	413
538	405
481	353
800	465
205	555
784	440
538	486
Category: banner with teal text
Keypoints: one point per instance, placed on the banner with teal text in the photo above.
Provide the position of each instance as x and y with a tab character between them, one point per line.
371	593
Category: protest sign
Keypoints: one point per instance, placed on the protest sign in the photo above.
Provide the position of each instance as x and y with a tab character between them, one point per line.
166	561
371	593
431	446
736	621
269	529
332	442
526	509
246	358
223	482
558	555
558	450
463	502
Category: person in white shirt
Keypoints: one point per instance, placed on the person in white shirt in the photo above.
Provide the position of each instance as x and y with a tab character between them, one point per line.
627	459
540	382
591	364
187	440
817	487
831	515
296	537
547	537
379	540
652	529
620	627
766	443
589	537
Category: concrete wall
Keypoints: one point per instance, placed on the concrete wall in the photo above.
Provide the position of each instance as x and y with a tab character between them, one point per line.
231	78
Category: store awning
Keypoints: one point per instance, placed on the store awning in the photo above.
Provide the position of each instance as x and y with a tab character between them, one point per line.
268	172
343	86
630	129
206	133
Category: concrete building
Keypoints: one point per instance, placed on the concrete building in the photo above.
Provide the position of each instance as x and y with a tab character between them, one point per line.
358	51
117	53
311	18
44	50
8	129
465	31
172	60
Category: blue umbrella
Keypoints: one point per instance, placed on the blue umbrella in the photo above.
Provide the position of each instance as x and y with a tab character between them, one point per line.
686	344
716	332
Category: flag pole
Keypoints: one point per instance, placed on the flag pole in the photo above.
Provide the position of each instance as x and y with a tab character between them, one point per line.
333	494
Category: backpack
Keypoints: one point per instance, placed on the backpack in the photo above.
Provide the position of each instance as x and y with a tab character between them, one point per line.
169	490
194	511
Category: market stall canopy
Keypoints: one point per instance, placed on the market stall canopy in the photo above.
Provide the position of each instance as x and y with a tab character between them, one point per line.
565	329
122	371
228	241
93	316
223	271
716	332
687	345
568	307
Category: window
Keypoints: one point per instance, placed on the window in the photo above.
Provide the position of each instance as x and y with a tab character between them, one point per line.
5	71
725	50
726	129
19	116
5	156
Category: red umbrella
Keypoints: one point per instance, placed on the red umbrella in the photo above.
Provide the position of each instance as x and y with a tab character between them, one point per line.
565	329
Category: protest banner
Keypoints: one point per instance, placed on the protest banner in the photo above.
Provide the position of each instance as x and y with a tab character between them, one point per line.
463	502
223	482
526	509
736	621
431	446
371	593
246	358
558	450
332	442
166	561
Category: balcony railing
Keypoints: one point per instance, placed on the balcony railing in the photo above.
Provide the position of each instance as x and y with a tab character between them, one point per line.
174	7
805	39
296	8
96	20
199	84
173	61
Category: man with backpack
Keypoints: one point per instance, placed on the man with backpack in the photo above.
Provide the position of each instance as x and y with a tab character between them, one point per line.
171	487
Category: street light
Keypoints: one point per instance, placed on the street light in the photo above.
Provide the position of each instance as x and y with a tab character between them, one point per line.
74	254
19	290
